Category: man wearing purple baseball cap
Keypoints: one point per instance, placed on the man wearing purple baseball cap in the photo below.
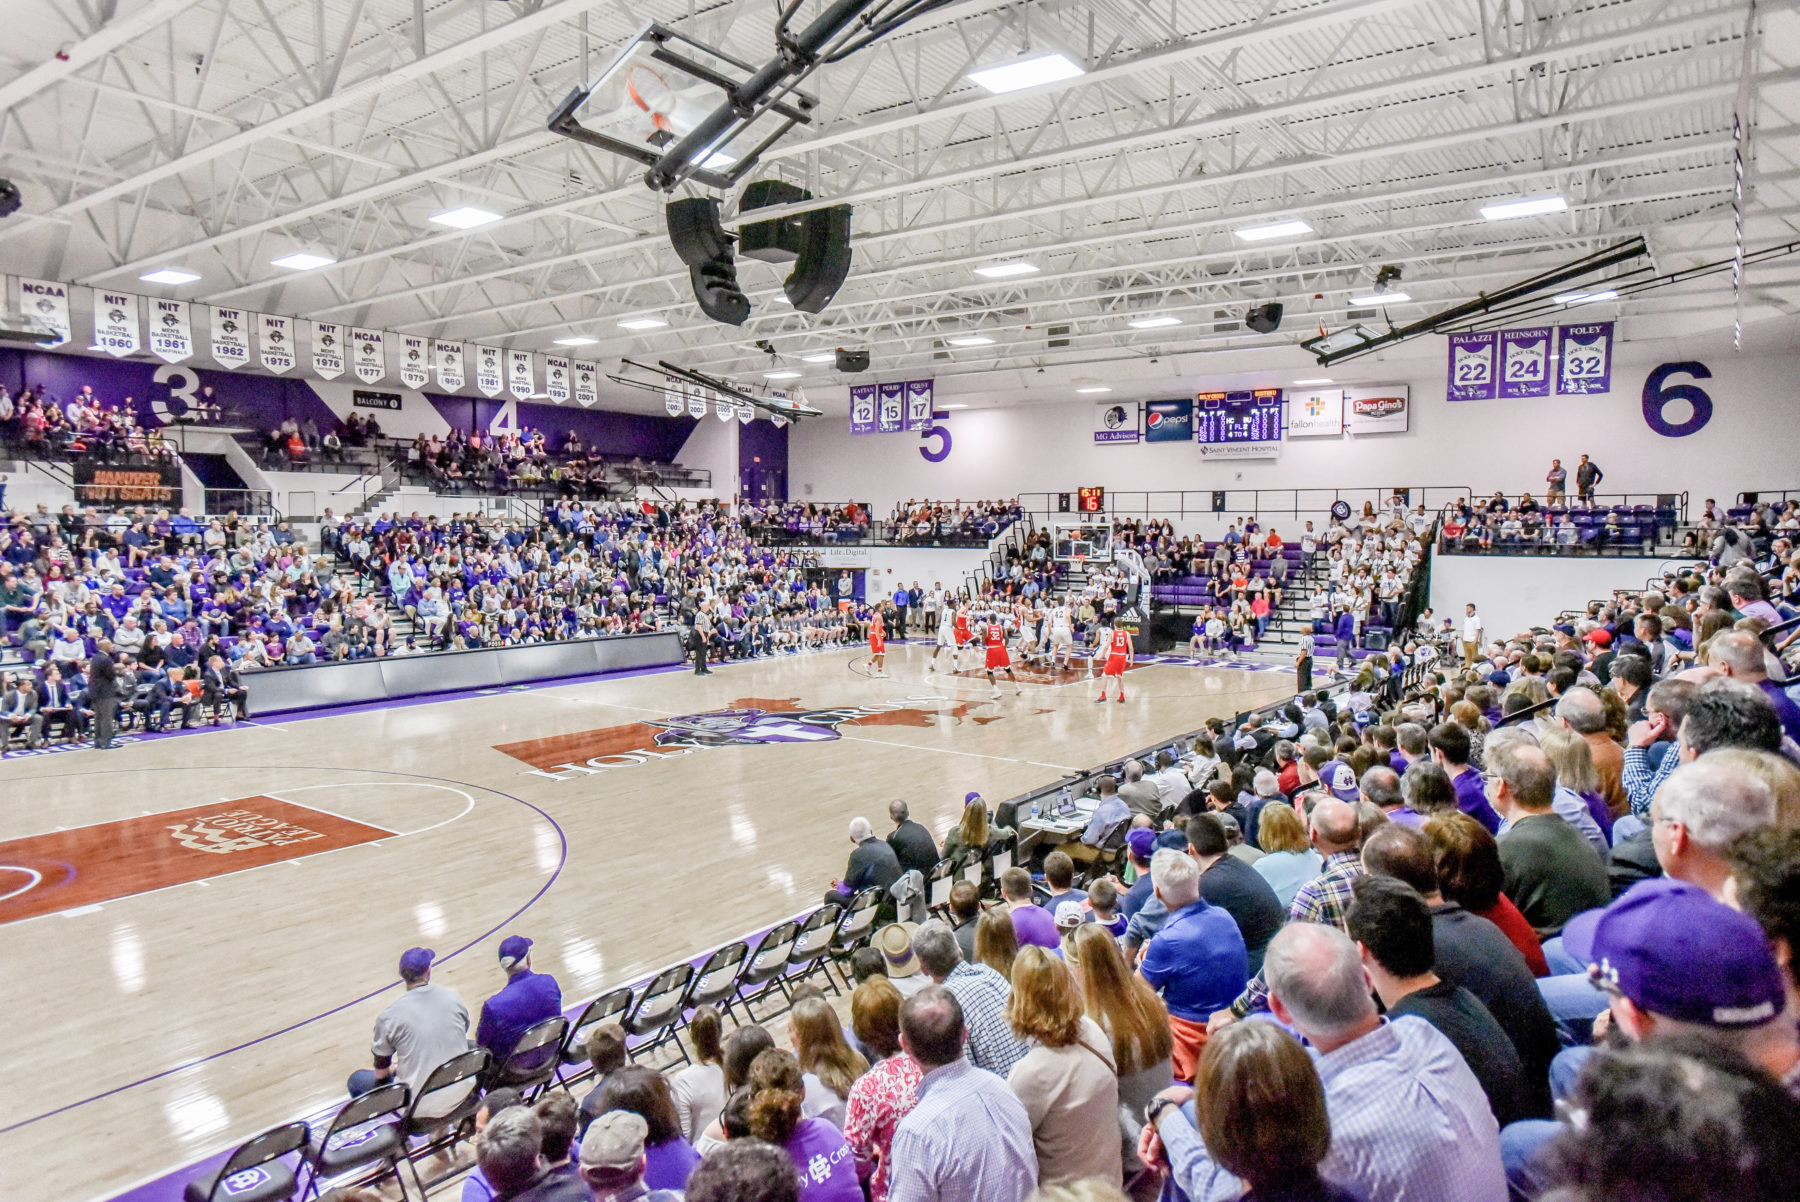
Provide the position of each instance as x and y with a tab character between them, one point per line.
419	1030
528	999
1140	845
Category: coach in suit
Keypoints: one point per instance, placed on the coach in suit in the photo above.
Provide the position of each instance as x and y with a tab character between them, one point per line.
19	710
103	695
219	685
57	704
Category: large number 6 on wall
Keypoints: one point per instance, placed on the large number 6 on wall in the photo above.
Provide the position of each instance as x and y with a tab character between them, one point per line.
1657	398
942	433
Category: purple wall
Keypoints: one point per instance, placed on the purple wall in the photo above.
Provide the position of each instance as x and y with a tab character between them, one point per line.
619	435
762	461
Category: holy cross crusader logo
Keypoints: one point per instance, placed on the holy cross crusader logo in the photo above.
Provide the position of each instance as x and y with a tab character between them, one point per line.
747	722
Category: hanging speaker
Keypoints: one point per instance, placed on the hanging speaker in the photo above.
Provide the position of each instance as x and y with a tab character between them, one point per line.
852	360
824	260
1264	319
702	243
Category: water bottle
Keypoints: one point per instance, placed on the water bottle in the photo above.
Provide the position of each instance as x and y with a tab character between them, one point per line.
1034	809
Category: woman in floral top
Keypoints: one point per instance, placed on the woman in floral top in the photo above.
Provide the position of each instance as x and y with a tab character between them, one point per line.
885	1094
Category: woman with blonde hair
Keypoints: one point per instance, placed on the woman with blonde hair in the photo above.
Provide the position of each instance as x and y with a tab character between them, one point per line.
772	1112
972	834
1067	1080
821	1048
1573	760
886	1093
1467	714
1133	1018
1289	860
996	943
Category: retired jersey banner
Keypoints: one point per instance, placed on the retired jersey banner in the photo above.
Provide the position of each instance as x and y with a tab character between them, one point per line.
862	409
556	379
328	350
368	356
1586	363
1525	362
415	368
521	379
587	383
276	334
890	408
918	404
490	377
116	323
1378	410
449	365
48	301
171	335
1473	372
230	338
1316	414
1116	422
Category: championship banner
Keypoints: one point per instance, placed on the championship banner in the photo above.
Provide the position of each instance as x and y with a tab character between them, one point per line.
675	401
1586	364
48	301
746	413
415	369
587	383
116	323
230	338
1472	368
723	409
449	365
1116	422
368	355
328	350
99	484
1316	414
521	380
918	405
1525	362
276	334
488	375
890	408
556	379
171	336
862	408
1378	410
696	401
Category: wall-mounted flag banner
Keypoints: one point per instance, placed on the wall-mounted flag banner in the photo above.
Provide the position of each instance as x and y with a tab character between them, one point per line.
490	377
521	379
1316	414
449	365
1473	370
675	401
275	337
556	379
1381	409
723	409
415	368
48	301
778	420
1525	362
1586	363
587	383
918	404
171	336
328	350
1169	421
746	413
862	408
890	407
116	323
368	356
1116	422
230	338
696	397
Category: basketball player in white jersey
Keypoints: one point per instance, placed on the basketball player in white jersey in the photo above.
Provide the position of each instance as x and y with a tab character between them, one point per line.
1062	634
946	637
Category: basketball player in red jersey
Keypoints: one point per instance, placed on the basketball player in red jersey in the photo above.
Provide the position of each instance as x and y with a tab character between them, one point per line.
997	657
1117	657
965	635
878	645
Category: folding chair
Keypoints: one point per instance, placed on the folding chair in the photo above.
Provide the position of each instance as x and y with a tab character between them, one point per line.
356	1138
937	886
767	963
996	860
446	1130
810	947
255	1171
855	925
533	1061
716	983
654	1017
973	867
602	1009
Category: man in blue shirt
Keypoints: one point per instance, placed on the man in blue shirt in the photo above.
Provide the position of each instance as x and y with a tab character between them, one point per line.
528	999
1111	811
1197	961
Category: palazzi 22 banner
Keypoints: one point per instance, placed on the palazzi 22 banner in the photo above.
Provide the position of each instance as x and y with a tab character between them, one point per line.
1510	364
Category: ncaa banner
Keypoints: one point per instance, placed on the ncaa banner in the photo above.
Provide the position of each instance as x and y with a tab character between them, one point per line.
1169	421
746	413
1116	423
328	350
415	370
1378	410
449	357
696	401
890	406
367	355
171	336
862	409
276	335
48	301
918	405
723	409
1316	414
1586	364
1472	367
587	383
230	338
556	379
488	373
1525	362
521	380
675	401
116	323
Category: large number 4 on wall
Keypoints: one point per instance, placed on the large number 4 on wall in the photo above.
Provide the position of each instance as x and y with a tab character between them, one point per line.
1658	394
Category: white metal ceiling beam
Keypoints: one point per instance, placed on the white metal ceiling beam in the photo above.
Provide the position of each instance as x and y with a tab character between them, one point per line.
97	45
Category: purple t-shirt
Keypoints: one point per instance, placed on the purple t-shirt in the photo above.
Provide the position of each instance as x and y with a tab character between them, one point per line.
668	1165
827	1166
1034	924
1471	799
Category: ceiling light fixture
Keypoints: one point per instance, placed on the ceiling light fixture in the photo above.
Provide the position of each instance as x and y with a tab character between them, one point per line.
302	260
576	340
169	275
971	340
1506	210
952	406
1000	271
1582	298
1381	298
1094	388
781	375
1027	72
821	357
1152	323
466	217
642	323
1279	229
1307	383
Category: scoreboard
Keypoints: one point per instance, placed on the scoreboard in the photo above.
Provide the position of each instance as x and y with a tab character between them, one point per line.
1248	415
1092	500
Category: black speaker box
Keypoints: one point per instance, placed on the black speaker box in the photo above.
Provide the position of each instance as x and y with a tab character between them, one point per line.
824	261
1264	319
852	360
695	232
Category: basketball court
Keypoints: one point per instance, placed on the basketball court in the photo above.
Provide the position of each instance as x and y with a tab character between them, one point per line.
201	928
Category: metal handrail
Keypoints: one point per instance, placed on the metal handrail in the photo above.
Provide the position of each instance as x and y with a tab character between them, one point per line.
1258	503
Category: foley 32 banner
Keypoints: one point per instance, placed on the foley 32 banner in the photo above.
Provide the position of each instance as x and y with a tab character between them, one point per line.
1512	364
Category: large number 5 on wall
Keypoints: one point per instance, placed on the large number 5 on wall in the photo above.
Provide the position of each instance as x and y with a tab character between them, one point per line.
1657	396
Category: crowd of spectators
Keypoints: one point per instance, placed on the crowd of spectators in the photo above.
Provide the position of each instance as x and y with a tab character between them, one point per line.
37	424
952	523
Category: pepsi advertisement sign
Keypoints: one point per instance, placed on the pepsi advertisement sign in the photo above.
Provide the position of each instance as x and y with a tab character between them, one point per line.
1169	421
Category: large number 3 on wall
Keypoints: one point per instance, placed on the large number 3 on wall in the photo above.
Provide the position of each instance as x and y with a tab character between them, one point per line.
178	406
1657	397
